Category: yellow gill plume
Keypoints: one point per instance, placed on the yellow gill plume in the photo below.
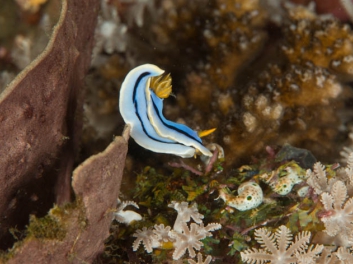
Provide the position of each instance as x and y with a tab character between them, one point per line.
161	85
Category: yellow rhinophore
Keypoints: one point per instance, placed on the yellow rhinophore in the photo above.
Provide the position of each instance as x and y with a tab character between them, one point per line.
161	85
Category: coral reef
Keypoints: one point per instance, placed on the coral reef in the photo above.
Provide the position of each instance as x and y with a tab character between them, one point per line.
322	41
286	100
315	202
264	73
256	92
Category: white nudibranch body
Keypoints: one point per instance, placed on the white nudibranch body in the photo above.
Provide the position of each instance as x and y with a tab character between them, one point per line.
141	107
250	196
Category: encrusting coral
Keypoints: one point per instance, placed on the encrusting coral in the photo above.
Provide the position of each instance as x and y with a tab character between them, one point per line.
235	47
286	100
320	40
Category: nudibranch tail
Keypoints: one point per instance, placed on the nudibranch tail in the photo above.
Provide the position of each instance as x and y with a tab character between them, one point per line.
141	106
205	133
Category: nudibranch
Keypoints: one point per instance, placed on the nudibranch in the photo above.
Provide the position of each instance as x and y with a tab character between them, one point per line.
141	106
283	185
250	196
